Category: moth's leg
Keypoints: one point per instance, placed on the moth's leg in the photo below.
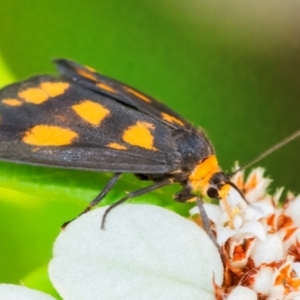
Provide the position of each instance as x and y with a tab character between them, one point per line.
134	194
104	192
206	223
184	196
101	195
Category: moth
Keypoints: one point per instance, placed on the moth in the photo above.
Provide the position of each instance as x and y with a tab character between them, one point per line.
85	120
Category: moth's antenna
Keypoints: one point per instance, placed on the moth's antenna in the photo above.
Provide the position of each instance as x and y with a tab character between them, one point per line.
268	152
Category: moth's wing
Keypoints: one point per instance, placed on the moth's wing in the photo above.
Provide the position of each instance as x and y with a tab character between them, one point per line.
124	93
59	123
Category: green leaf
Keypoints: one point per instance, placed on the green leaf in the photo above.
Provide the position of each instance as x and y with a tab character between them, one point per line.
39	280
5	75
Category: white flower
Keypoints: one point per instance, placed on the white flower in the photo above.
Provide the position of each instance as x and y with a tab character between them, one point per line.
260	239
245	218
242	293
293	210
15	292
146	252
150	253
267	251
263	280
255	186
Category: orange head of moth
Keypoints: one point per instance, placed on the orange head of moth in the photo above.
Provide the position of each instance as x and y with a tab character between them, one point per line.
208	179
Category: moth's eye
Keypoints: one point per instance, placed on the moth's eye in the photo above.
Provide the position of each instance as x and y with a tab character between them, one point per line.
213	193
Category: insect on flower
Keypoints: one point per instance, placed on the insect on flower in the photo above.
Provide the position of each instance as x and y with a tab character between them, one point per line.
84	120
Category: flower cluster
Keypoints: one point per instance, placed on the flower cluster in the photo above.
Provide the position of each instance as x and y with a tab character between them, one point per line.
147	252
262	248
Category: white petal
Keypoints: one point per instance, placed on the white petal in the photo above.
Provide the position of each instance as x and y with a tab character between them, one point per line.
257	172
242	293
237	222
267	251
277	195
261	210
259	190
293	210
296	268
293	296
255	228
213	211
146	252
224	233
263	280
234	197
250	214
276	293
16	292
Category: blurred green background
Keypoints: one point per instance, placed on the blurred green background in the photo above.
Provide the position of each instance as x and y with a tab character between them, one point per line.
231	67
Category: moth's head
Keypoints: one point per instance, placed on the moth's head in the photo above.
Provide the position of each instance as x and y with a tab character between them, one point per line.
208	179
218	185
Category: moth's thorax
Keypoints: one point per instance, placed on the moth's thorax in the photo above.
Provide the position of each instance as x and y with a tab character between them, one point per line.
202	173
193	146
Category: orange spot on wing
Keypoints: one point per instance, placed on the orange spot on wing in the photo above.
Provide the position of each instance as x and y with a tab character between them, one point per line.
42	93
91	112
46	135
54	89
116	146
33	95
137	94
171	119
86	74
12	102
105	87
140	135
90	69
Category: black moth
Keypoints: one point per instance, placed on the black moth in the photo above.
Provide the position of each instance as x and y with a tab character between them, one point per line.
84	120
